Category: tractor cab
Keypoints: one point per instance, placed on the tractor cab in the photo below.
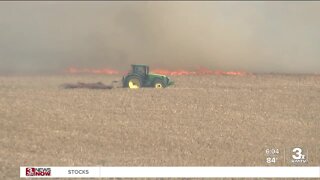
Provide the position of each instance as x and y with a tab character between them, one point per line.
139	76
142	70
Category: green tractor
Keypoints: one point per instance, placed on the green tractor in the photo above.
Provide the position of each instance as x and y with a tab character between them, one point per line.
139	77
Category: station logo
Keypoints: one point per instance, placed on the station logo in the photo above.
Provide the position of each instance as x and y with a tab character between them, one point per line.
299	156
38	171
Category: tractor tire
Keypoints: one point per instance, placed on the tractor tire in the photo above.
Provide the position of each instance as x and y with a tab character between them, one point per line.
158	84
133	82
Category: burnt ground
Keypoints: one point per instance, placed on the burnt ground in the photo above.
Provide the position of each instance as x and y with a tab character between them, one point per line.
200	121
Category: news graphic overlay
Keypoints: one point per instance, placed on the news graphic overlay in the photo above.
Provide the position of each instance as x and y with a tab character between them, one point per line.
38	172
298	156
59	172
273	156
171	172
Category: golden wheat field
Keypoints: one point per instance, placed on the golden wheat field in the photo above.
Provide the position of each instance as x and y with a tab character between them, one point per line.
200	121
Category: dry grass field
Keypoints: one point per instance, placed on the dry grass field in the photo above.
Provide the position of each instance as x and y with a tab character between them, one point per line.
200	121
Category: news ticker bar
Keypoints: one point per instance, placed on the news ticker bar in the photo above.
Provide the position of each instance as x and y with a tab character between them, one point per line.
169	172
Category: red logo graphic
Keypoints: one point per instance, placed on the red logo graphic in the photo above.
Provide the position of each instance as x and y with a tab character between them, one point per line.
38	171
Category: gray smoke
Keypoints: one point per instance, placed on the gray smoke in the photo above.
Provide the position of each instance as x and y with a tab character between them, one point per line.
48	37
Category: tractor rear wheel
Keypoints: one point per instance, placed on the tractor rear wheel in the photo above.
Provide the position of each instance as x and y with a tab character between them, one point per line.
158	84
134	82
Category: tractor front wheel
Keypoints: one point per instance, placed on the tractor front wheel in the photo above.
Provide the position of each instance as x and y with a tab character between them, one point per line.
134	82
158	84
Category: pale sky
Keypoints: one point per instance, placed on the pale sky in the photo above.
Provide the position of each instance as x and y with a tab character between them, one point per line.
259	36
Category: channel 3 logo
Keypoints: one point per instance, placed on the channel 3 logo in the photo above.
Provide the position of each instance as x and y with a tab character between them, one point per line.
298	156
38	171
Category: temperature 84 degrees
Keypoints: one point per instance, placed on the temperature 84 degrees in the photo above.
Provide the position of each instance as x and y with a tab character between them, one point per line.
271	160
272	155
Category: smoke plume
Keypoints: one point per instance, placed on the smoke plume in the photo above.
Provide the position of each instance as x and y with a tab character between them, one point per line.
48	37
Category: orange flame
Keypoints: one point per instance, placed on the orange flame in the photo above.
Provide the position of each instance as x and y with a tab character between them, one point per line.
200	71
